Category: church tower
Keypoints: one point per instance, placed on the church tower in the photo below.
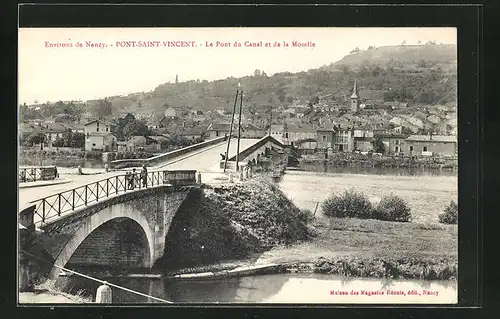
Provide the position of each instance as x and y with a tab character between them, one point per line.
355	98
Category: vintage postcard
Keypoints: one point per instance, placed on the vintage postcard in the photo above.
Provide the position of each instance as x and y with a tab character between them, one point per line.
238	165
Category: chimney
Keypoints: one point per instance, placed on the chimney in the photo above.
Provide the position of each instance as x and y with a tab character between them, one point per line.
430	136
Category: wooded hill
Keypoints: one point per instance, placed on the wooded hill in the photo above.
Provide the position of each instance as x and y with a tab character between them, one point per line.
417	74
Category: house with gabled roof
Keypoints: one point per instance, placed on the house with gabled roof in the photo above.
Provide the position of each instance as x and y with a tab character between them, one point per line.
221	129
99	136
430	145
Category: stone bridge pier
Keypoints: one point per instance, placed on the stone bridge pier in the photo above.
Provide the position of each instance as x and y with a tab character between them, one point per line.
124	232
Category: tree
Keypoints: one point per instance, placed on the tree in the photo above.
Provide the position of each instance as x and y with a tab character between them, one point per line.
355	50
78	140
102	108
36	138
378	145
135	127
376	70
256	73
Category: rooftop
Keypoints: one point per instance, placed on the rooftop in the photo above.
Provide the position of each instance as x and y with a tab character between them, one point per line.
434	138
100	121
223	127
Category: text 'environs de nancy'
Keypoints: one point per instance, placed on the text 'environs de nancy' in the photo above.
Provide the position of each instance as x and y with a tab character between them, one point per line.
180	44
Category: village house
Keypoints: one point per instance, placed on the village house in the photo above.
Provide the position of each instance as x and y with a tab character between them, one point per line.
325	138
294	133
343	140
76	127
362	138
98	136
154	143
172	112
277	131
393	142
192	133
430	145
53	131
221	129
252	131
136	143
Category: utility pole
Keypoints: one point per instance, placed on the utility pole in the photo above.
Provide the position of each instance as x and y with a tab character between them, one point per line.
231	129
239	133
270	118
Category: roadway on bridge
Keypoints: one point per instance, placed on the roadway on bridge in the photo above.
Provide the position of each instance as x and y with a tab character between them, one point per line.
204	160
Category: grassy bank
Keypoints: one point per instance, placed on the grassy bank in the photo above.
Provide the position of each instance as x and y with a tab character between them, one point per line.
370	248
47	292
232	222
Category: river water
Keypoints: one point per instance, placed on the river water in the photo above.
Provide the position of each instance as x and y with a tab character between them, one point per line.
61	162
278	288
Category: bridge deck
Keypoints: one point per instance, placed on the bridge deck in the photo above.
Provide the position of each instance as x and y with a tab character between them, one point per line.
205	160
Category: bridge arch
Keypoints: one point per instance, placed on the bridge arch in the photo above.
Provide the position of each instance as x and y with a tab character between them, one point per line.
97	220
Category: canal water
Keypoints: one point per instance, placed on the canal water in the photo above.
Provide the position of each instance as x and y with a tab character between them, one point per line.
61	162
277	288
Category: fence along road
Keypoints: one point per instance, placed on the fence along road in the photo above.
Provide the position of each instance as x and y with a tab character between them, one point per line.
206	160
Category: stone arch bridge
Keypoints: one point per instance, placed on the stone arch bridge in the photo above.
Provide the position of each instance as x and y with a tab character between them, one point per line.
125	228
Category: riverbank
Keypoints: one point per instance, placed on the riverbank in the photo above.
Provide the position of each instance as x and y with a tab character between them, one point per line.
358	248
360	160
47	293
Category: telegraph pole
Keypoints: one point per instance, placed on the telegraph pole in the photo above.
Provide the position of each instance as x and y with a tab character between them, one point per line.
231	129
239	133
270	119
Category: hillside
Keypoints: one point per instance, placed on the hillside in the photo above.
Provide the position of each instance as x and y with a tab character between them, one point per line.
420	75
442	55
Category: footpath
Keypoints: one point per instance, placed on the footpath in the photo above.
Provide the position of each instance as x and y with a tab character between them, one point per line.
45	183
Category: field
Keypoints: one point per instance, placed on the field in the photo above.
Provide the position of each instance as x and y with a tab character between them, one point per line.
427	195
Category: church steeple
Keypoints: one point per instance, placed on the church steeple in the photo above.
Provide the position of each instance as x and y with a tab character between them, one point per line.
355	90
355	97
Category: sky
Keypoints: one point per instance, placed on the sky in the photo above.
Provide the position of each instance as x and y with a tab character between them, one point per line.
48	72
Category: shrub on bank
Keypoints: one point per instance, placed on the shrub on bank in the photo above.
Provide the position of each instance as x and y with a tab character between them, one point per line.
392	208
306	216
450	215
349	204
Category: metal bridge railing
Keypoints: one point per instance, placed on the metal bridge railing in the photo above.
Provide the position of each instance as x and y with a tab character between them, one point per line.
33	174
58	204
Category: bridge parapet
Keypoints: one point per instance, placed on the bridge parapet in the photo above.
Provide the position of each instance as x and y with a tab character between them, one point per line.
50	208
37	173
166	156
259	147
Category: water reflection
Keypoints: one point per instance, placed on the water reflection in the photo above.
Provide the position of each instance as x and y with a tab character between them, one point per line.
61	162
328	168
283	288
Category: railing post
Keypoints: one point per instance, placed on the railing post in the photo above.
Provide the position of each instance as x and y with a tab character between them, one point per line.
107	187
43	210
59	210
97	191
85	199
116	184
73	205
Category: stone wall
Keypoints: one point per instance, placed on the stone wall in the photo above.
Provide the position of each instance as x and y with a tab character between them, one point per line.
119	243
